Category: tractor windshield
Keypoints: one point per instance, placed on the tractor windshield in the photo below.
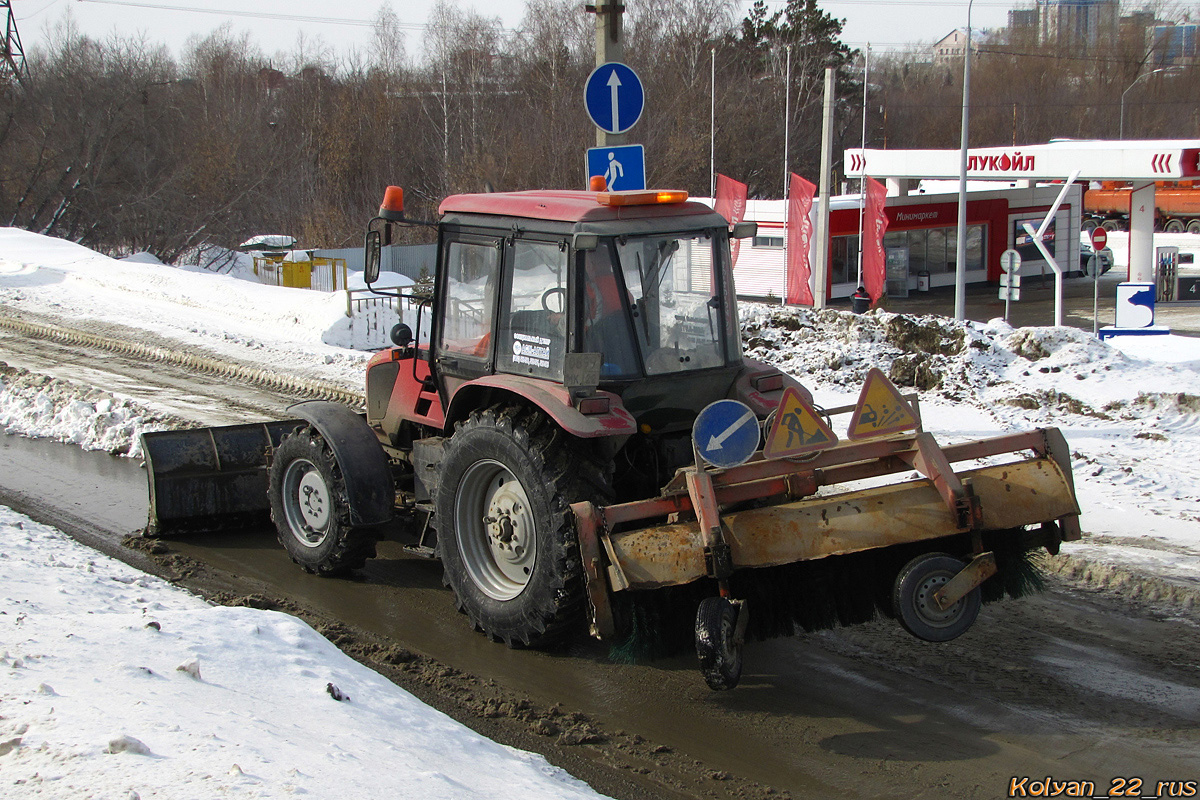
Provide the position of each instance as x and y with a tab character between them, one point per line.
672	286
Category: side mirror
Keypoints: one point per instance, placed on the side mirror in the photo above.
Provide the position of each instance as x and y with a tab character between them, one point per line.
744	230
373	253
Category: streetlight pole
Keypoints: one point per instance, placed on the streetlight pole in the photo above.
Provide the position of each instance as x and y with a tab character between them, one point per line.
1135	83
960	263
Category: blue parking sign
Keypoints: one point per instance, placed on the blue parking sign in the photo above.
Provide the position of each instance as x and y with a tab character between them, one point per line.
623	168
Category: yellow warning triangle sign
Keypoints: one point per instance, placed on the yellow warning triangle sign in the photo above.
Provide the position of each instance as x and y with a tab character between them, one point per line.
797	428
881	410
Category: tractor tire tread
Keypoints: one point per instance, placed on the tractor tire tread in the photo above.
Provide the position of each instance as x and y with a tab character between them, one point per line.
352	546
572	474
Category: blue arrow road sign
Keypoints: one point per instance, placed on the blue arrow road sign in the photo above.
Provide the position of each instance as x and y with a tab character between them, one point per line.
614	97
726	433
623	168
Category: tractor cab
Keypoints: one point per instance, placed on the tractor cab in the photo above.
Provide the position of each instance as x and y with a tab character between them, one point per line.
627	293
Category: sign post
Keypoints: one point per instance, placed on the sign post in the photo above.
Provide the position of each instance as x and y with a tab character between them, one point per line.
1010	280
1099	242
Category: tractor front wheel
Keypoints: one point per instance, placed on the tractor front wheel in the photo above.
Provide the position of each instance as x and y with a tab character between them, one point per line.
506	536
309	508
716	643
919	613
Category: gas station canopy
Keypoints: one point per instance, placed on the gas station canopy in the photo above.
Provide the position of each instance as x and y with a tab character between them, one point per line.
1140	163
1163	160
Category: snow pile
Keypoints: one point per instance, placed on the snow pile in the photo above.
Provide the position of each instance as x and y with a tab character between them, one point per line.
300	331
116	684
1044	372
142	257
42	407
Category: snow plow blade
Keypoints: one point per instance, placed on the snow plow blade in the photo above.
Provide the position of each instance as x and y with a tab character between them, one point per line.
209	478
663	541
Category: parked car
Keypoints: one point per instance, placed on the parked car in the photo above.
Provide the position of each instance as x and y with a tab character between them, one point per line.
1104	259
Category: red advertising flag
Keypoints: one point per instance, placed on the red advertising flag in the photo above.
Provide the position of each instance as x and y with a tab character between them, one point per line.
730	203
874	226
799	234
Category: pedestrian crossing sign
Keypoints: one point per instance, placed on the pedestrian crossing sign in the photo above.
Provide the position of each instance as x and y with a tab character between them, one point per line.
881	410
797	428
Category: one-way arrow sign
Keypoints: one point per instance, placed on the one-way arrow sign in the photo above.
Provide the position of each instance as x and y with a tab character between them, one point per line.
726	433
614	97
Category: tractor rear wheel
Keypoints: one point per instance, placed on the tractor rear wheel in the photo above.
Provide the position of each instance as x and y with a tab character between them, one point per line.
309	508
506	536
918	612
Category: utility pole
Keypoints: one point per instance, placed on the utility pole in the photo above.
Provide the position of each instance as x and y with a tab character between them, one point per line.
12	56
820	267
610	46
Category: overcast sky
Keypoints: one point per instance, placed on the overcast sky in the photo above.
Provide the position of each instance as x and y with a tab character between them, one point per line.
886	24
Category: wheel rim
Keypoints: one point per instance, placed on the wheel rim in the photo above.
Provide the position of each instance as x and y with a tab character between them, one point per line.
306	503
927	608
496	530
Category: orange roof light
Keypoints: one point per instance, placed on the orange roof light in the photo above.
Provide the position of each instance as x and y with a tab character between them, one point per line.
596	183
641	198
392	207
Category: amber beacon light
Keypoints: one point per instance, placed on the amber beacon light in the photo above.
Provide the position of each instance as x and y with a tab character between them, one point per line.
392	207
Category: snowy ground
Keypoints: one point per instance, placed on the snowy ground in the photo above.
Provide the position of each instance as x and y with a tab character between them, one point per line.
1130	411
115	684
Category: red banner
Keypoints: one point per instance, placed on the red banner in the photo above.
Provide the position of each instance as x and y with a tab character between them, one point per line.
874	226
799	234
730	203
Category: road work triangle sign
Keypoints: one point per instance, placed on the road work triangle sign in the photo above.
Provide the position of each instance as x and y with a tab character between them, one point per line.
880	410
797	429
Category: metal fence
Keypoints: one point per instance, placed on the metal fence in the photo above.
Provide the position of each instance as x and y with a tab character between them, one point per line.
405	259
373	316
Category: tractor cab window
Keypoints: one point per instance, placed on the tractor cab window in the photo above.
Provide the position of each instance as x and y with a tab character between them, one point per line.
472	273
605	322
674	290
533	319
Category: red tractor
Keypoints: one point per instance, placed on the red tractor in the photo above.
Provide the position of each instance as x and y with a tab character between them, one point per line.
539	442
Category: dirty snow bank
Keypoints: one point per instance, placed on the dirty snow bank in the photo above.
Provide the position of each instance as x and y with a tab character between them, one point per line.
115	684
38	406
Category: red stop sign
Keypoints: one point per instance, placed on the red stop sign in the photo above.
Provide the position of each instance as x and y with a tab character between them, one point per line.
1099	238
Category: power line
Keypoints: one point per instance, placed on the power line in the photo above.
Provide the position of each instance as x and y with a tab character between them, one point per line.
357	23
361	23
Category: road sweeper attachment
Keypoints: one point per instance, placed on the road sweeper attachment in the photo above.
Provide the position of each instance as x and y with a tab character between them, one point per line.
934	540
579	438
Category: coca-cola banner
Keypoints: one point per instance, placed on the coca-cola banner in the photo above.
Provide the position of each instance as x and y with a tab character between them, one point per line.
799	234
874	226
730	203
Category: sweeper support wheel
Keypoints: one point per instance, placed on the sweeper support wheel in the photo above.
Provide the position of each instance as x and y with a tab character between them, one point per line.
916	608
720	632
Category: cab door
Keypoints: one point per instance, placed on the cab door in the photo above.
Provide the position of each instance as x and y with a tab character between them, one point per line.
464	346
